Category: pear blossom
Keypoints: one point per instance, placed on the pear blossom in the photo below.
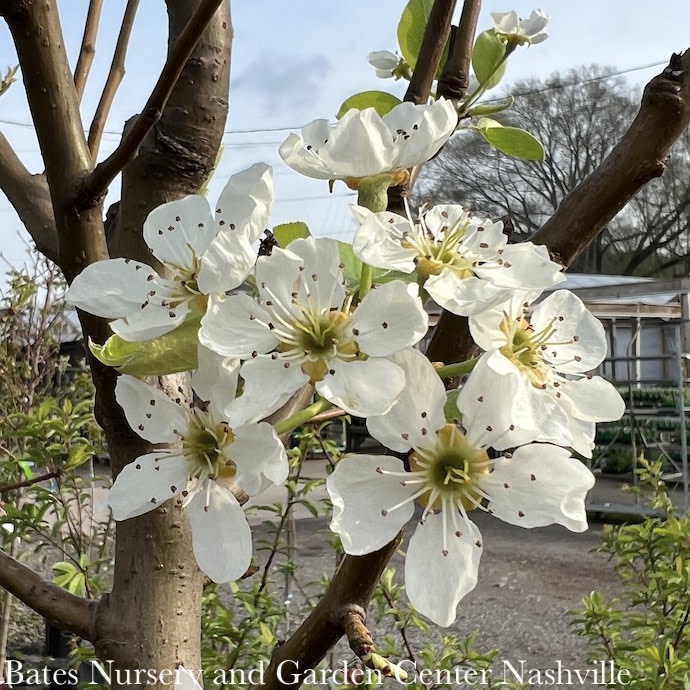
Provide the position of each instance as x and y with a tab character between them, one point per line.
210	452
304	328
545	353
363	144
516	31
464	262
200	256
450	475
384	62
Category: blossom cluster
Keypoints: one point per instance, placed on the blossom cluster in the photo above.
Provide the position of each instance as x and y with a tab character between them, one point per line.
270	325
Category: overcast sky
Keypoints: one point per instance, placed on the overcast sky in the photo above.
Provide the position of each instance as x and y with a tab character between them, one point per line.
297	61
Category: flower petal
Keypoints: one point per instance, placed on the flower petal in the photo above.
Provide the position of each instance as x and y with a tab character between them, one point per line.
236	327
463	296
147	482
150	321
362	388
260	457
215	379
362	498
221	537
419	409
268	385
180	231
149	411
390	318
593	399
378	241
113	288
435	583
541	485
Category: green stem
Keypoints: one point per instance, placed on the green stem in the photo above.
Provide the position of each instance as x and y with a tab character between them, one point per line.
481	89
302	417
365	280
457	369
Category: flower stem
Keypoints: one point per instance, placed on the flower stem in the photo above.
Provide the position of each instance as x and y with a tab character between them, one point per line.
365	280
457	369
302	417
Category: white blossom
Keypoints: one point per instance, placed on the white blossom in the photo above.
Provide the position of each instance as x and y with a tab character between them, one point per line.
384	62
210	452
363	144
304	328
545	353
521	31
450	475
464	262
201	256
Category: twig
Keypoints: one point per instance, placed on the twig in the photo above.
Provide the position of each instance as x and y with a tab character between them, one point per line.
95	184
88	47
455	75
4	488
435	36
67	611
115	75
637	158
351	586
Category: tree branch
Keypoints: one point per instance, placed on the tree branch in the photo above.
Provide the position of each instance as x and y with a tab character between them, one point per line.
67	611
435	37
115	75
87	51
637	158
30	198
95	185
352	586
456	72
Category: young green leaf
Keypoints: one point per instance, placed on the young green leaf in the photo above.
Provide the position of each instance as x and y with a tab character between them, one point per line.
381	101
287	232
488	59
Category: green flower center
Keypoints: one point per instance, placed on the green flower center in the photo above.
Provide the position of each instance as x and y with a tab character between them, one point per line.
451	470
204	444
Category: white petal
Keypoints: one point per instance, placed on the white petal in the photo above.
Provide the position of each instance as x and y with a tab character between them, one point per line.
383	60
226	263
525	266
149	411
593	400
418	413
268	385
506	22
259	456
463	296
377	242
435	583
246	202
295	154
179	231
233	327
147	482
537	22
362	498
150	321
426	128
390	318
221	537
540	485
113	288
215	379
362	388
573	324
440	218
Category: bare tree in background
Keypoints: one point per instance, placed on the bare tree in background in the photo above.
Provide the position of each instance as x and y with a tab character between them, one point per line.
578	117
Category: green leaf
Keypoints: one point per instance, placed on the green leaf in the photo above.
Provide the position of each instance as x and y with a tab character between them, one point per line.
450	409
491	108
511	140
287	232
381	101
266	635
171	353
411	30
352	268
488	59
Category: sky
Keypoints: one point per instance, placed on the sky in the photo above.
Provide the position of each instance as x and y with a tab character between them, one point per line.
298	61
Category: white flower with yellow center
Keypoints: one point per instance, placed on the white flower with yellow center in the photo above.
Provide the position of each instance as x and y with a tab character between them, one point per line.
545	352
363	144
513	30
304	329
201	256
210	452
465	263
450	475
